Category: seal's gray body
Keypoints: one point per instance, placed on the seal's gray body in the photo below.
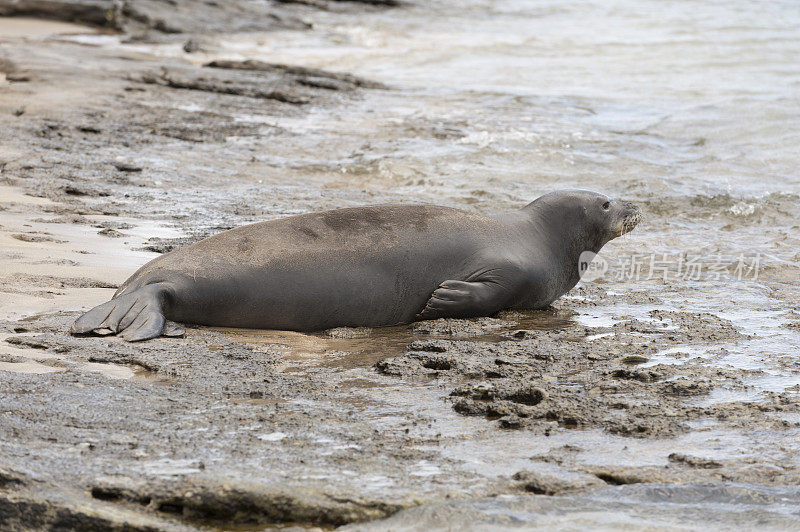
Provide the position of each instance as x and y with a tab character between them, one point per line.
366	266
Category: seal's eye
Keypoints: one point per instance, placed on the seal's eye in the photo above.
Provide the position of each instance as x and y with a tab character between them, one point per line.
606	205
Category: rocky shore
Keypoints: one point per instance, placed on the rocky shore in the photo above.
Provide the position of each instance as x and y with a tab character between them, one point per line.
110	155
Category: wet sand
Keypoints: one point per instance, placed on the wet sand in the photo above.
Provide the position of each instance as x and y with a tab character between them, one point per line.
16	27
73	259
619	398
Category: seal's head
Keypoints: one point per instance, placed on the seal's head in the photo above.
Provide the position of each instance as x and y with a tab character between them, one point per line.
587	219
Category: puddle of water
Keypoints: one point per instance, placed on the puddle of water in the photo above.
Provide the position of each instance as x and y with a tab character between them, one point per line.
777	382
753	320
726	395
791	417
324	351
29	366
365	347
167	467
424	468
598	336
678	355
93	39
273	436
597	321
755	390
41	361
26	360
607	316
112	371
57	364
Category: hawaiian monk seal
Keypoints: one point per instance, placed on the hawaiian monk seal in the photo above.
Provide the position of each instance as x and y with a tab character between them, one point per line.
366	266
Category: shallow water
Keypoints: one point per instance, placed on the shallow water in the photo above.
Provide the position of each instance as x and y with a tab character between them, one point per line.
619	508
349	348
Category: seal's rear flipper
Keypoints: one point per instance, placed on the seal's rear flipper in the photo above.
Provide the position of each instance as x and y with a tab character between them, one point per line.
137	315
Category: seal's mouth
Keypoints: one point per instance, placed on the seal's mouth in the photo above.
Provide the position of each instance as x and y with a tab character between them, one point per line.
632	217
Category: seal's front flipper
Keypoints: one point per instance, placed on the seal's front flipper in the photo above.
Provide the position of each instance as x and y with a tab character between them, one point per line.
136	316
464	299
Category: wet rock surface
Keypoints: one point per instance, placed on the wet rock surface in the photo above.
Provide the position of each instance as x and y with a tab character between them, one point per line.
687	506
309	77
214	428
572	379
192	434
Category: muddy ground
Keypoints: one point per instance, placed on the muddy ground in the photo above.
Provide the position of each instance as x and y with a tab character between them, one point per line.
109	157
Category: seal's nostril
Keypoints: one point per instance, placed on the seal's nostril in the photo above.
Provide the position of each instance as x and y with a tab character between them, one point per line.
632	210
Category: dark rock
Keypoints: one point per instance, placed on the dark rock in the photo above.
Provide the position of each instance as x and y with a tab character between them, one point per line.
694	461
634	359
126	167
312	77
686	387
544	484
18	77
25	341
113	233
35	237
327	3
10	479
637	375
165	245
191	46
528	395
253	86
